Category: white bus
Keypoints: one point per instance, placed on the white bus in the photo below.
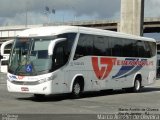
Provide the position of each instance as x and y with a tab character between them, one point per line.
5	51
70	59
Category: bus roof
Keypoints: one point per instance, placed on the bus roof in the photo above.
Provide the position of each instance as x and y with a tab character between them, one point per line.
55	30
47	31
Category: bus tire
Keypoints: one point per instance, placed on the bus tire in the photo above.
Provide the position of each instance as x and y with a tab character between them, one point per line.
137	85
77	89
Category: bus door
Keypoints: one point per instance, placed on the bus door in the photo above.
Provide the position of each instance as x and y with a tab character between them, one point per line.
59	59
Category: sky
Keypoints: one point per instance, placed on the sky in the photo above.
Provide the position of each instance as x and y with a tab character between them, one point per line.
20	12
16	12
65	10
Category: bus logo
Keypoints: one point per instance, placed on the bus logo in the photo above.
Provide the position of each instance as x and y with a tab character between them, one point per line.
102	66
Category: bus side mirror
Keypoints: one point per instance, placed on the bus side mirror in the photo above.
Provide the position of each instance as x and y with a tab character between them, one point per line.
53	43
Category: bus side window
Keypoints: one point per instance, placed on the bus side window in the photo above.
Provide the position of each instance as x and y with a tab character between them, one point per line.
59	58
84	46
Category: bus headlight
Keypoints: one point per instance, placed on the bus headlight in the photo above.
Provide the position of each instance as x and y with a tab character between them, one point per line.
43	80
47	79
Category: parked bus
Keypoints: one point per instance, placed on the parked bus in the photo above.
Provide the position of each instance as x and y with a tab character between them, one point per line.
5	51
70	59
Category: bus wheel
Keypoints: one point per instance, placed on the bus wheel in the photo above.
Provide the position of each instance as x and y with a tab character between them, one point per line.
137	85
77	89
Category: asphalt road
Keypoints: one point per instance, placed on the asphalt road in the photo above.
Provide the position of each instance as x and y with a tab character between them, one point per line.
89	106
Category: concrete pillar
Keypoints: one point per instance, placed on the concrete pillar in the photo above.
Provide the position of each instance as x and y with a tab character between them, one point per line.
132	17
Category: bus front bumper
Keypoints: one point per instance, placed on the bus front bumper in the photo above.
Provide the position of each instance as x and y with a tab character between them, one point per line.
43	88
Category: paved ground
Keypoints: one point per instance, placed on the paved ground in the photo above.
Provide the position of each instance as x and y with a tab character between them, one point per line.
2	78
93	104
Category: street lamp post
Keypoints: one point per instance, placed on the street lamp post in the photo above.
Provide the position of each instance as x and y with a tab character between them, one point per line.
48	12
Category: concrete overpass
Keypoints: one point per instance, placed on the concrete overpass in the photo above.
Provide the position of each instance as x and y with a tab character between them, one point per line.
151	25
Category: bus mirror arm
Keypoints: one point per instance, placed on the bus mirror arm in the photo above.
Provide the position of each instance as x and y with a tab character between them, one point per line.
53	44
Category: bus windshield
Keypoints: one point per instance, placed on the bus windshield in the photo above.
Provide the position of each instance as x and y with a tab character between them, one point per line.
29	56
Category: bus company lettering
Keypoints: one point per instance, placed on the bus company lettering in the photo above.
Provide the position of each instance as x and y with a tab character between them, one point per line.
144	62
102	66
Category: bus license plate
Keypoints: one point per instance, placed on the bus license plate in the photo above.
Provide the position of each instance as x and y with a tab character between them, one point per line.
24	89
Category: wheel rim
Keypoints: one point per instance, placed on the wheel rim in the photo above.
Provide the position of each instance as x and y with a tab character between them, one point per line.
77	89
137	85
